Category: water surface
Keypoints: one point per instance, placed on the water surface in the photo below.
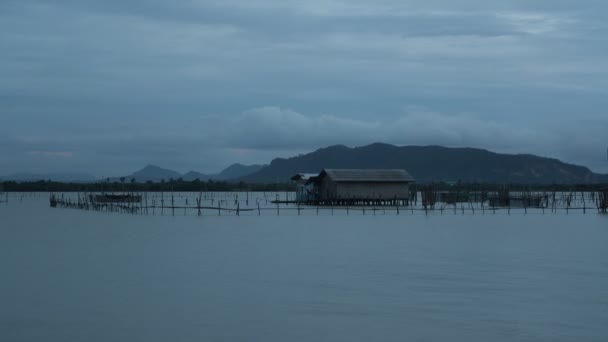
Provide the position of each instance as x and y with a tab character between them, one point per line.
70	275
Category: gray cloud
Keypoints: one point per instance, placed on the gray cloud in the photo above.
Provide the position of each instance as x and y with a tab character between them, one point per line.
112	85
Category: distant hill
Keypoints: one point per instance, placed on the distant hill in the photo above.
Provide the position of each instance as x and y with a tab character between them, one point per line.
237	170
57	177
425	163
155	174
433	163
233	171
193	175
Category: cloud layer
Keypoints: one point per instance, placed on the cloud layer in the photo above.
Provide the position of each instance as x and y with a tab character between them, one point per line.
109	86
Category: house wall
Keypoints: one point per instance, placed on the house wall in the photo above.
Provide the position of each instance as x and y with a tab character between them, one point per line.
362	190
383	191
328	189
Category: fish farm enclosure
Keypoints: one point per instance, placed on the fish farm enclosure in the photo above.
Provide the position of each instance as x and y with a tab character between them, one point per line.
284	203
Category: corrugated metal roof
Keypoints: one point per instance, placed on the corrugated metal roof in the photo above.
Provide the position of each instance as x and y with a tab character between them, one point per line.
367	175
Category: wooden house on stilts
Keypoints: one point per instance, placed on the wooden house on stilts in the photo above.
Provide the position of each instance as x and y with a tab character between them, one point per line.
358	187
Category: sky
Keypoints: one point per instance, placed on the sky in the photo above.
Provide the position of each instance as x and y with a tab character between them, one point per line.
107	87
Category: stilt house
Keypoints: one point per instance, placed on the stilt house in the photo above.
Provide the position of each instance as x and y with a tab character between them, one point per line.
355	185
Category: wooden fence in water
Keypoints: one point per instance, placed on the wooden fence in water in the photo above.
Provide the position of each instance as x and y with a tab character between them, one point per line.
5	197
258	203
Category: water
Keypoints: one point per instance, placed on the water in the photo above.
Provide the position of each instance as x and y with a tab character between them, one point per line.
70	275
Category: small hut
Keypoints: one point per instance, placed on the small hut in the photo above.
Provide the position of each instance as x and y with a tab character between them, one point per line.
360	186
304	188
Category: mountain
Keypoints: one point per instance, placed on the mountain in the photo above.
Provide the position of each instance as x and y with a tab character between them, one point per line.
156	174
193	175
233	171
237	170
58	177
432	163
153	173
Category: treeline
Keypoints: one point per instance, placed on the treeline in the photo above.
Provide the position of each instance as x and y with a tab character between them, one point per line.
174	185
211	185
493	187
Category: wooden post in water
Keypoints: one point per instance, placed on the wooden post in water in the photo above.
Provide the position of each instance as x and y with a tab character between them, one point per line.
584	204
200	200
172	203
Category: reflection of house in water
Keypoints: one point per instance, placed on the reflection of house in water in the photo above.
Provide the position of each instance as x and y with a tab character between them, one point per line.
355	186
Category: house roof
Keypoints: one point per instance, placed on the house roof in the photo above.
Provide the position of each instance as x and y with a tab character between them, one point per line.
304	176
367	175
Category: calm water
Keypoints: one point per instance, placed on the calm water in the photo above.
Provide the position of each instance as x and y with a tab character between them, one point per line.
70	275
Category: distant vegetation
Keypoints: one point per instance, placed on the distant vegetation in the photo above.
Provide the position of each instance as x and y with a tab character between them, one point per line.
132	186
180	185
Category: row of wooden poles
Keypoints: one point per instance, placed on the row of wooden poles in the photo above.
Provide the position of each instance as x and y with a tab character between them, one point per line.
17	196
152	205
543	200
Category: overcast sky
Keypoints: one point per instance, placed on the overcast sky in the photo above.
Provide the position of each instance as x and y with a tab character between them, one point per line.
109	86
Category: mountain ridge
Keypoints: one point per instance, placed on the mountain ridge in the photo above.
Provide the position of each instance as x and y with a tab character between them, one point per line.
433	163
427	164
149	173
155	174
